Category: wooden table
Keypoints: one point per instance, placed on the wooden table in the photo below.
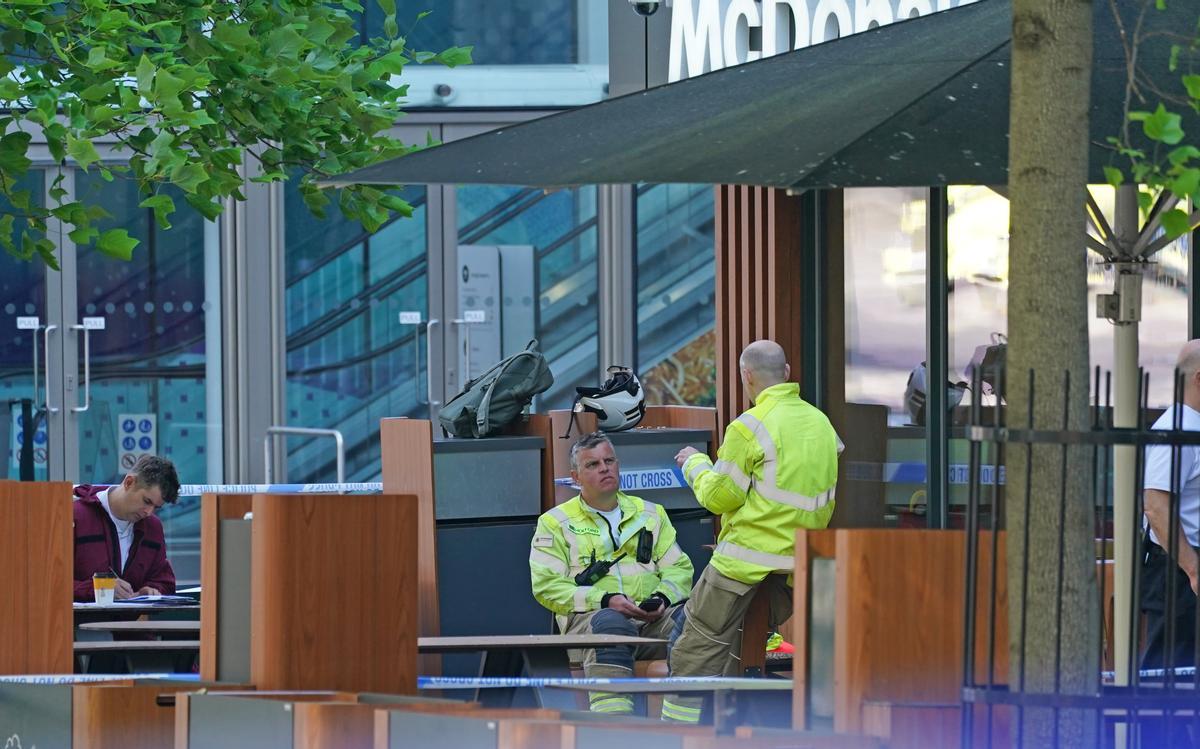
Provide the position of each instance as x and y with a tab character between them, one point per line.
134	608
168	625
535	656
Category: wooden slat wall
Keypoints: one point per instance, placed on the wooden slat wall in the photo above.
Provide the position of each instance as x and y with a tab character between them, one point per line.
407	457
758	235
37	555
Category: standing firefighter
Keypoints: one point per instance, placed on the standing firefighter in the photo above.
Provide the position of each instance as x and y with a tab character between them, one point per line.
775	472
607	563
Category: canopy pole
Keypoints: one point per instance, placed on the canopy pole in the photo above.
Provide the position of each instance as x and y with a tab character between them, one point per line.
1126	388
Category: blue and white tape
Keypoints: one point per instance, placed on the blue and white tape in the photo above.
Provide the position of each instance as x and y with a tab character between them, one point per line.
645	479
90	678
511	682
195	490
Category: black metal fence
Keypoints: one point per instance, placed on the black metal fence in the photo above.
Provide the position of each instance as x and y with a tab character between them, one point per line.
1160	706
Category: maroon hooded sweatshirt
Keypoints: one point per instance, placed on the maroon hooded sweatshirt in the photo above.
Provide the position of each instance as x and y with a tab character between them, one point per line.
97	548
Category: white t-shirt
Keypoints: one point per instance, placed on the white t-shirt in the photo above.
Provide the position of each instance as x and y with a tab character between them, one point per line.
1158	473
124	530
613	517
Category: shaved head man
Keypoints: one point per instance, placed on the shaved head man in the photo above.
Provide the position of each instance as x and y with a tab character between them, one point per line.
762	364
775	472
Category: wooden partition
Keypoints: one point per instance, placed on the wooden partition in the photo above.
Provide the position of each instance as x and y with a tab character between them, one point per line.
898	617
37	556
115	716
333	584
540	425
407	457
213	509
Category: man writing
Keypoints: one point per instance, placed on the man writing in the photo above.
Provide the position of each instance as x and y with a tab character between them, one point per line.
775	472
640	593
116	531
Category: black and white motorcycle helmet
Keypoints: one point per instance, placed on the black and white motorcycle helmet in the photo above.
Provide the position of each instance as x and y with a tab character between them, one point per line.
619	404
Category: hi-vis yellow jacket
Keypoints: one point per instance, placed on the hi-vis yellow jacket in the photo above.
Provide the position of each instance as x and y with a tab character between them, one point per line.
775	472
568	535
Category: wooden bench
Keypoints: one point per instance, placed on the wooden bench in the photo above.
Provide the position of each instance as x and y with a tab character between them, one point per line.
537	656
142	626
151	655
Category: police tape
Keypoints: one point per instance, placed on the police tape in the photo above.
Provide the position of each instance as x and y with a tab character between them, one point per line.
195	490
645	479
510	682
91	678
1152	673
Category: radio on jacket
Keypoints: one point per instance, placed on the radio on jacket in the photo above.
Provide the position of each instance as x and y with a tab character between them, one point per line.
645	546
595	570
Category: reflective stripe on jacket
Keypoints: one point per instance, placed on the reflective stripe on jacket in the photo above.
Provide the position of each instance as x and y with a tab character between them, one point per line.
568	535
775	472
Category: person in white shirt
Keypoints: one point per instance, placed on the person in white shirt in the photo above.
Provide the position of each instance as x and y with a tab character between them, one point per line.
1164	473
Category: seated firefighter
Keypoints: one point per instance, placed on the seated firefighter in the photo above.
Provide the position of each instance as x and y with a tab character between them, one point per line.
607	563
116	531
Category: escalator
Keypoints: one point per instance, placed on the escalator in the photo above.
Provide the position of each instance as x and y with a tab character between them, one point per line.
354	376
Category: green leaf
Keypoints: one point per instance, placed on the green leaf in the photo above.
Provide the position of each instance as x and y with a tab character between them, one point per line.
83	235
1186	183
1182	155
98	60
82	150
1163	126
167	86
1175	223
189	176
12	153
1192	83
455	56
234	35
117	243
390	28
163	206
285	42
1114	176
145	76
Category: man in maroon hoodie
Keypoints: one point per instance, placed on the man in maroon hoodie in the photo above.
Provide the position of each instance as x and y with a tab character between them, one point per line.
115	530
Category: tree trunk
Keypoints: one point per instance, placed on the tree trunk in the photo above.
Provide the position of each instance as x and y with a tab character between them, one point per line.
1047	308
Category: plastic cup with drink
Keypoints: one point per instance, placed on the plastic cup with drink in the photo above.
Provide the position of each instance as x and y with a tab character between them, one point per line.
104	584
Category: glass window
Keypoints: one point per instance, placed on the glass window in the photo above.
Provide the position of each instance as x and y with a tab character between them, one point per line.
516	32
349	360
526	53
22	294
676	269
150	386
559	228
885	265
885	294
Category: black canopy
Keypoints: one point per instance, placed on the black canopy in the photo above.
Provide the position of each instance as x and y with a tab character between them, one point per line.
918	102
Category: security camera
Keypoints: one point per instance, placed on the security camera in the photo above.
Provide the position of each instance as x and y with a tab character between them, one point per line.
645	7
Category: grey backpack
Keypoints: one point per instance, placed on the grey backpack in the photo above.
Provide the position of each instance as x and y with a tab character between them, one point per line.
496	398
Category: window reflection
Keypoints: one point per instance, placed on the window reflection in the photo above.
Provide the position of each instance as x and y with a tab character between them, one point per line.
676	264
885	294
560	230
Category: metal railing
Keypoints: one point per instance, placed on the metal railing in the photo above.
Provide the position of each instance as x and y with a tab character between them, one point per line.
1160	703
274	431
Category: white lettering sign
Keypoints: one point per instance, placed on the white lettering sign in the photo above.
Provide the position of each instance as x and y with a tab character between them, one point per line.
708	35
474	315
410	318
28	323
93	323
